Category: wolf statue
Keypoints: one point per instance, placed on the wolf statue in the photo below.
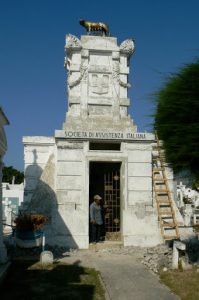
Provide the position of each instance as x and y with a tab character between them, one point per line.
93	26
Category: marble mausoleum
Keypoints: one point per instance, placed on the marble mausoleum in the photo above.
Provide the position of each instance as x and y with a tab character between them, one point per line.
97	151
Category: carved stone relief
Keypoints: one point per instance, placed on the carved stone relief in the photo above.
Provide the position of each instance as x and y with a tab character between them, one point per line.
116	75
72	41
83	75
128	47
99	83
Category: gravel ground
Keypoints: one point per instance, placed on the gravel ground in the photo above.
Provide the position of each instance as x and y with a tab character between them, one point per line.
154	258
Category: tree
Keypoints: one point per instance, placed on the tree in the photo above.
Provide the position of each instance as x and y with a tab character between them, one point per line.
177	119
10	172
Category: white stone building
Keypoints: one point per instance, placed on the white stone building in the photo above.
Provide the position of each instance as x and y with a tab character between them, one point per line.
97	151
12	196
3	147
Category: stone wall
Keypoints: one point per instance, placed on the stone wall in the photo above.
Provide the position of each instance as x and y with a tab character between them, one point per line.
140	220
37	150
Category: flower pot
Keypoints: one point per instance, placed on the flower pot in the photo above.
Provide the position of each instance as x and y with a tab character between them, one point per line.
28	238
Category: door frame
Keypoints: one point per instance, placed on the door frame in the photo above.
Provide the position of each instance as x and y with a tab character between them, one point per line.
111	158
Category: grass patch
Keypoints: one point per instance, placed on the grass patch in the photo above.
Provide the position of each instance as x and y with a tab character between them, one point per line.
30	280
183	283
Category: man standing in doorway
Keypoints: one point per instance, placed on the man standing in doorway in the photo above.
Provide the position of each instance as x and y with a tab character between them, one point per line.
96	219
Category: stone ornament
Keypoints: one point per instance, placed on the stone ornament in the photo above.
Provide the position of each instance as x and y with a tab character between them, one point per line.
72	41
127	47
116	75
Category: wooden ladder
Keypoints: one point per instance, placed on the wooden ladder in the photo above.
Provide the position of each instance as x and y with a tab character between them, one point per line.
166	212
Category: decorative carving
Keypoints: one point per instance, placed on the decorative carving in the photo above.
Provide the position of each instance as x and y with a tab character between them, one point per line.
100	84
83	75
67	63
93	26
128	47
116	75
72	41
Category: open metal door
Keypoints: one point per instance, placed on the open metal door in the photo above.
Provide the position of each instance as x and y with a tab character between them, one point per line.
112	204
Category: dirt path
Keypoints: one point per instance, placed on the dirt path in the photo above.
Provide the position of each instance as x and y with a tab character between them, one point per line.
124	276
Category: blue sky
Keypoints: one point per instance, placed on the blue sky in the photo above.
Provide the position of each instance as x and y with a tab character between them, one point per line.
32	38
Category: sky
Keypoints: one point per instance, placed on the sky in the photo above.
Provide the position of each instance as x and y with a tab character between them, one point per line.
32	76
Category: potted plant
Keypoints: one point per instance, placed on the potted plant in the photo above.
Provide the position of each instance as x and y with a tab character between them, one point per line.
28	229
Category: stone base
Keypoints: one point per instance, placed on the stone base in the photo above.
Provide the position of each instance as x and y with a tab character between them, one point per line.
142	240
186	233
82	242
74	242
28	243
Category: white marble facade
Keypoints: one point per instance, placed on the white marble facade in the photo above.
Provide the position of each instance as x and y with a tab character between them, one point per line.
3	147
57	168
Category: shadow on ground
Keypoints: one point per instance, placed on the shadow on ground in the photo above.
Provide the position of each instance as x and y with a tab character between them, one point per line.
17	253
29	280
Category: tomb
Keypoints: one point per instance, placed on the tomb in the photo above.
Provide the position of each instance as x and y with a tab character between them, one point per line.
97	151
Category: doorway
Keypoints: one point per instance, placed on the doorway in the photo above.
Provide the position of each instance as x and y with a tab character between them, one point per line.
104	179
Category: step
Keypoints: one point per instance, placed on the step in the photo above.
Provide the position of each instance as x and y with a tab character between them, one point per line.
105	245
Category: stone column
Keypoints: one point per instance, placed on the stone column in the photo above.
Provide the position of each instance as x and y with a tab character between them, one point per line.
115	85
177	245
3	252
84	82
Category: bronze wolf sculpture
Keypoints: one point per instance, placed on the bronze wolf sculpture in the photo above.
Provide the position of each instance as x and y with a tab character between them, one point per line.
93	26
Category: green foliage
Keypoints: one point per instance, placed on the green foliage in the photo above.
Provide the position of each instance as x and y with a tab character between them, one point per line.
9	172
195	184
177	119
182	283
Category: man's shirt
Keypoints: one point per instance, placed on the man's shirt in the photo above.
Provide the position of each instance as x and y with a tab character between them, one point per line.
96	213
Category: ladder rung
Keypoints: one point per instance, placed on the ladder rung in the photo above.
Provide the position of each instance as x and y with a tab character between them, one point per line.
159	180
168	213
164	204
162	201
164	224
156	179
158	169
171	237
161	191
